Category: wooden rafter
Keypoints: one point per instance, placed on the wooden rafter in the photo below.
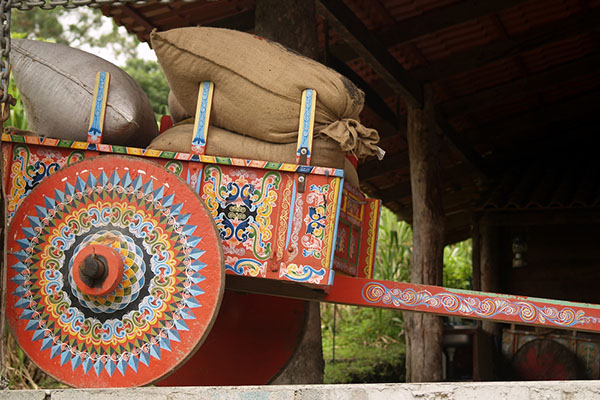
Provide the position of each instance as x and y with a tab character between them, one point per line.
375	53
133	13
533	82
442	18
372	98
372	169
343	20
572	107
477	57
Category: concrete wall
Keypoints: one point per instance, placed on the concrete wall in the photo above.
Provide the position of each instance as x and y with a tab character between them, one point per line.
571	390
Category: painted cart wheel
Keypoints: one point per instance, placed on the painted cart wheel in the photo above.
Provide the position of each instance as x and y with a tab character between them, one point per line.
116	273
253	339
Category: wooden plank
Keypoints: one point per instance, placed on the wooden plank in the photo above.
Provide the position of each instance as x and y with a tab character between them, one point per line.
464	148
351	28
574	106
466	304
391	162
345	22
536	37
442	18
133	13
532	82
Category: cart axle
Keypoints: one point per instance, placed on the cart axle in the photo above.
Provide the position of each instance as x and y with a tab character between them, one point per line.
97	270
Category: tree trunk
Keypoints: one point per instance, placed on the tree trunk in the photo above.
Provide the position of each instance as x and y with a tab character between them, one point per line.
306	365
293	24
424	331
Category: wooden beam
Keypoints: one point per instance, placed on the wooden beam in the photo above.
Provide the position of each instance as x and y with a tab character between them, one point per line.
531	120
372	98
565	134
294	24
447	179
541	217
391	162
463	147
517	87
243	21
442	18
128	11
536	37
351	28
345	22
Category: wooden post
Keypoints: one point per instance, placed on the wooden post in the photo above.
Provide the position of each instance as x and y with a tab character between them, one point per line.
293	23
424	332
489	269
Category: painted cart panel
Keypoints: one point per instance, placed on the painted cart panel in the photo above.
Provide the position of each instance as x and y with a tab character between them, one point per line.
269	228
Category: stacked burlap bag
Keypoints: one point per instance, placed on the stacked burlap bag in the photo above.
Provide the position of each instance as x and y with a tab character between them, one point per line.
57	82
258	88
223	143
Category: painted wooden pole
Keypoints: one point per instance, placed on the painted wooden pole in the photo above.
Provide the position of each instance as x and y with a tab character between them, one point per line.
424	331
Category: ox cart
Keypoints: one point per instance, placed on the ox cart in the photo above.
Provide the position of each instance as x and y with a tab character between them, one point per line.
118	257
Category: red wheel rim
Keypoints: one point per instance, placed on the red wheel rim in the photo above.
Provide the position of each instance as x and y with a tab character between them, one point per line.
172	281
252	340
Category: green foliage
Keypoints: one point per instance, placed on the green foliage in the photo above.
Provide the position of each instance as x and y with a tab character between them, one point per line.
37	23
369	343
394	248
458	265
151	78
56	26
89	23
20	372
17	116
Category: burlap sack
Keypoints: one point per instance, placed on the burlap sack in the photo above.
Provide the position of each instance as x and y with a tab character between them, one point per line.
219	142
176	110
258	86
351	174
57	88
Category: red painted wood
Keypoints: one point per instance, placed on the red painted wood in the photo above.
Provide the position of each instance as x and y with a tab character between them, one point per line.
252	340
463	303
173	278
545	359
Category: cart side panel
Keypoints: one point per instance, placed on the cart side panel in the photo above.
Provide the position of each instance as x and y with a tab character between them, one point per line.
357	234
26	166
268	228
243	203
310	238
